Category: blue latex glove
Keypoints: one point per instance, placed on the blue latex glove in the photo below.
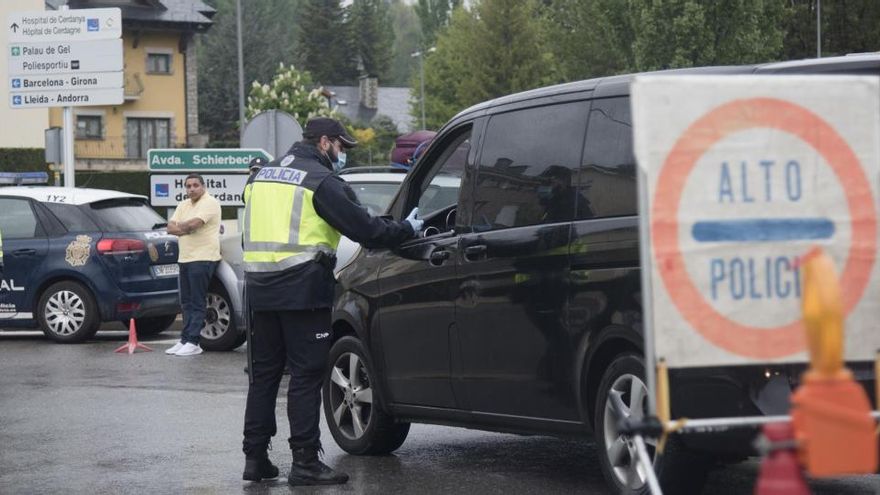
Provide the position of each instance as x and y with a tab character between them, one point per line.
413	219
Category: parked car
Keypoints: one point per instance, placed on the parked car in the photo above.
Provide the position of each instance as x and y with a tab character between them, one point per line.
75	258
375	187
519	308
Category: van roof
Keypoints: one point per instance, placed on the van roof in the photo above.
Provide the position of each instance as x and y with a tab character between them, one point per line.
828	64
69	195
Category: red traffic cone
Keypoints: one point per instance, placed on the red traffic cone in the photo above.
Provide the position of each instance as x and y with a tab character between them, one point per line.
781	474
132	343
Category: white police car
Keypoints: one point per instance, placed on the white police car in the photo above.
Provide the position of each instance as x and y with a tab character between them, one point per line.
74	258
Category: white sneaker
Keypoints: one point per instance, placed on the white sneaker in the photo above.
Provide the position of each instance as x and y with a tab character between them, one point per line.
189	349
173	349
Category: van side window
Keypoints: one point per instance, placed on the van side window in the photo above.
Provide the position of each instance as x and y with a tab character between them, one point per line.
18	220
608	176
528	167
442	184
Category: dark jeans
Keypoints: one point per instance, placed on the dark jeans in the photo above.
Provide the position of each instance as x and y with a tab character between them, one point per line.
302	340
194	279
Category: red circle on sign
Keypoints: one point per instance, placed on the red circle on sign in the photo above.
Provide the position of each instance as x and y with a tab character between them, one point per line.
736	116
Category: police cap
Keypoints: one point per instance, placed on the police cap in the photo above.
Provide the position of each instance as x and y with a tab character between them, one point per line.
332	128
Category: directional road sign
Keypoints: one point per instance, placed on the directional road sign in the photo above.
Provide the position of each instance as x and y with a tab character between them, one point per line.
182	160
65	57
168	189
60	82
743	176
64	25
66	98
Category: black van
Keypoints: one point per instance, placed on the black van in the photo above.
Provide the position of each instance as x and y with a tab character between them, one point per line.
519	309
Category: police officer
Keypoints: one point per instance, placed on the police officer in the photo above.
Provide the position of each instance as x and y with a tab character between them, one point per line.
296	209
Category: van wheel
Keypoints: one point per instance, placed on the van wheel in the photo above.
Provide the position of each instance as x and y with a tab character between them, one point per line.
351	403
623	388
67	312
220	332
153	325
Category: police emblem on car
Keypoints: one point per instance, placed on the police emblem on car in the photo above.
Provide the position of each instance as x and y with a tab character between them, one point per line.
78	250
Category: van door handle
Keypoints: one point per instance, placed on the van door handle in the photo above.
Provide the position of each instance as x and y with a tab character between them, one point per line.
438	257
24	252
473	253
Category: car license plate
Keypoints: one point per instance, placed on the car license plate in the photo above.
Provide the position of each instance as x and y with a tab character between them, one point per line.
166	270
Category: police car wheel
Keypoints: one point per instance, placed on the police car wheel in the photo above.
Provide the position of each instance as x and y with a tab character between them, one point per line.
66	312
220	332
623	388
351	403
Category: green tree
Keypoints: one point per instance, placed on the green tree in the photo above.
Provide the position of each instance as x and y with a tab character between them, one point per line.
591	38
289	90
688	33
324	45
433	16
513	56
373	35
407	34
218	58
850	26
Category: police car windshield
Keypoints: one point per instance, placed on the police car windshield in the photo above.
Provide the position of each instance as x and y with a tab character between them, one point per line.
375	195
125	215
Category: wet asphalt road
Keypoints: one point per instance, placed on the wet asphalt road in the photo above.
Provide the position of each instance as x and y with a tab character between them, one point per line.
81	419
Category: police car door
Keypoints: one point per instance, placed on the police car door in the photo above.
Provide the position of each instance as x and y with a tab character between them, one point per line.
25	247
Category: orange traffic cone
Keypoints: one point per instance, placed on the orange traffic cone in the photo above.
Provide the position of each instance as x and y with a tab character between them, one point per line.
132	343
780	474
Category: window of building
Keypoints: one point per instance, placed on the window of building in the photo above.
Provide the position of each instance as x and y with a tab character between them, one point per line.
528	167
608	176
88	127
158	63
143	134
18	220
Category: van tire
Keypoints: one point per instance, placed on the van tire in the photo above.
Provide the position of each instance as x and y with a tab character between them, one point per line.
67	313
381	433
678	469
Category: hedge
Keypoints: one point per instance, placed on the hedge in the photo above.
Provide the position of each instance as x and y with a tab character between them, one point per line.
23	160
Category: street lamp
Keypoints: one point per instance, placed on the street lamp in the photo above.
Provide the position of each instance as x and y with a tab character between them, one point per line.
420	56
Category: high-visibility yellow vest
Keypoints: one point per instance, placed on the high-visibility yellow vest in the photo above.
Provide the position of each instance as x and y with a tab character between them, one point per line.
281	227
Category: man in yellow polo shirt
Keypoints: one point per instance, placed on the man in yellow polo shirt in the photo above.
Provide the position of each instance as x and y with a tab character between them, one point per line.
196	221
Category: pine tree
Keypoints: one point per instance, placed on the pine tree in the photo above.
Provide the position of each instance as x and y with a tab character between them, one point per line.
323	42
373	35
433	16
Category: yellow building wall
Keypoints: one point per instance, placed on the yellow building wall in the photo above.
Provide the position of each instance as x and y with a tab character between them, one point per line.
163	96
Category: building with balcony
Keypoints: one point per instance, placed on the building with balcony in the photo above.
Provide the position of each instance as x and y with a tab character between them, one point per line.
160	109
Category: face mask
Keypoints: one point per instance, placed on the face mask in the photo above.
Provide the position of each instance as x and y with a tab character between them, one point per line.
340	161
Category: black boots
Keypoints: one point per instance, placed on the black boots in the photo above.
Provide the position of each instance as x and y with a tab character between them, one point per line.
307	469
259	468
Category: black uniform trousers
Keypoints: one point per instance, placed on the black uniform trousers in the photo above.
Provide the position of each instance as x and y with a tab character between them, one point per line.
301	339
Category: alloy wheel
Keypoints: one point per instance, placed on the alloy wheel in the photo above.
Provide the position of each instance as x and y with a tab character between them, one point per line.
218	317
627	397
65	313
351	398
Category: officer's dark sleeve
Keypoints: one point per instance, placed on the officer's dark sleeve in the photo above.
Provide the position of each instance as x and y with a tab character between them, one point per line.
337	204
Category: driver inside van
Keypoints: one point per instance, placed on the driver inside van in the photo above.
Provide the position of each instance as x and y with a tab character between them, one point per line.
560	198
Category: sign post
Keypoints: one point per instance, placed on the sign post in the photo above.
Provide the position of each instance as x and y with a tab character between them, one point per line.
65	58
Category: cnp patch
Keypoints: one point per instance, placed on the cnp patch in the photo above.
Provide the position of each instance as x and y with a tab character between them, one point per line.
78	250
